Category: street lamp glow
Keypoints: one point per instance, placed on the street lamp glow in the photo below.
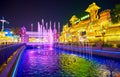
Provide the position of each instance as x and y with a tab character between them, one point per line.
6	32
11	32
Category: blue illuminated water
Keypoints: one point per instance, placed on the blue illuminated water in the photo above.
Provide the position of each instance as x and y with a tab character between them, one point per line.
55	63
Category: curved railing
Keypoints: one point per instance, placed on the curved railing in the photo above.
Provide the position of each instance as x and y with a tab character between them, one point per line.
6	52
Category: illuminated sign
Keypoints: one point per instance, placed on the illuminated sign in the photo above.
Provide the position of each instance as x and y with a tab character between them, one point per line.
86	16
82	18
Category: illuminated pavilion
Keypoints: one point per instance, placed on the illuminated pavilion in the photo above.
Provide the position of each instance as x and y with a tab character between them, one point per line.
44	35
92	28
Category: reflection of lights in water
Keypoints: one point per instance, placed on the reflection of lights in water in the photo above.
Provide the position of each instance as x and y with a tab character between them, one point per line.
38	47
31	51
39	51
50	48
73	55
76	66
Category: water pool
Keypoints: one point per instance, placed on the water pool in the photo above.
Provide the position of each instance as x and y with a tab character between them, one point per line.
55	63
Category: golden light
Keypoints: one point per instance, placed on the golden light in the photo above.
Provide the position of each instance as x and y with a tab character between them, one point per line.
95	26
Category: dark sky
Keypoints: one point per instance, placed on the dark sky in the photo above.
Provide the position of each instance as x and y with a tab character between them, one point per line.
24	12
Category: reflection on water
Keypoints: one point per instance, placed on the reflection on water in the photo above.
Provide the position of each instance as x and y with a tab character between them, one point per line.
38	63
101	66
55	63
76	66
49	63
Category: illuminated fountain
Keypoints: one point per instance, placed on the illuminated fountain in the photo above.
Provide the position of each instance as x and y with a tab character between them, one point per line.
86	51
50	37
50	34
44	35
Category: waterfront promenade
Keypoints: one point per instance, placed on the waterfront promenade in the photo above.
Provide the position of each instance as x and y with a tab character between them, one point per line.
8	56
104	52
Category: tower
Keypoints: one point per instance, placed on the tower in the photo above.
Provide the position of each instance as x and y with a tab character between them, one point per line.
73	19
24	37
93	11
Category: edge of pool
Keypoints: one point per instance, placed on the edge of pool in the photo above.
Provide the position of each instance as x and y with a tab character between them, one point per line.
15	65
8	70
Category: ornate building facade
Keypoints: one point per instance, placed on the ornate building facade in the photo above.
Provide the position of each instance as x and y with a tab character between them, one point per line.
92	28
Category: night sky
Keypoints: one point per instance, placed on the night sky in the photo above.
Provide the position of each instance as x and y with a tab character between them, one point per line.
24	12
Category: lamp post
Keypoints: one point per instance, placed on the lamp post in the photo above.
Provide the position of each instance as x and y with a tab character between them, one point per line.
3	22
103	34
79	38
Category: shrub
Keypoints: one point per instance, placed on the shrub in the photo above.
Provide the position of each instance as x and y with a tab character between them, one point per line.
104	45
110	45
94	45
107	45
118	45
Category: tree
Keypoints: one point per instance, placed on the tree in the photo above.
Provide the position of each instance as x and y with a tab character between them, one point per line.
116	14
16	30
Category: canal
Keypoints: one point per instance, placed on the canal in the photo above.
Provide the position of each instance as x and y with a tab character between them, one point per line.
48	62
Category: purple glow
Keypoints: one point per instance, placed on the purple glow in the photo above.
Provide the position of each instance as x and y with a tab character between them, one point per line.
44	35
43	60
23	35
51	35
39	27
